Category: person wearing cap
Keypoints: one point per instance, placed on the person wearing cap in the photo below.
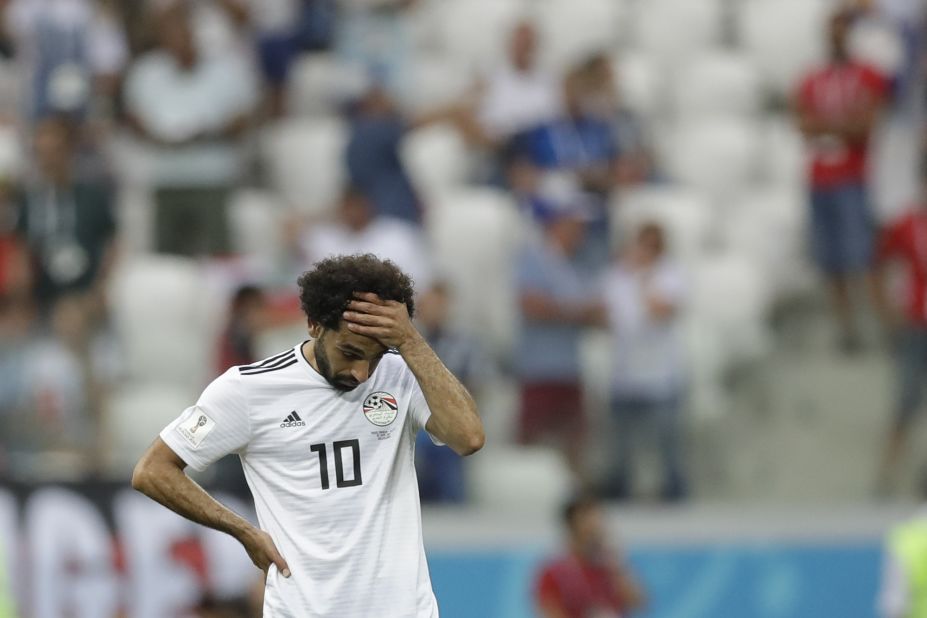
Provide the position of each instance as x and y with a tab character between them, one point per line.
556	303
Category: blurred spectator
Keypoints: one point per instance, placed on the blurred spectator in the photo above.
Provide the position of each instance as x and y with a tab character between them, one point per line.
73	53
237	342
635	162
440	473
67	223
903	591
191	109
359	230
519	94
580	140
284	29
373	160
644	292
377	34
837	108
905	242
590	579
556	304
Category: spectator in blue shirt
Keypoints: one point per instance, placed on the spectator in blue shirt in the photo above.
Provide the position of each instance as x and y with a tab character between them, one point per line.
556	302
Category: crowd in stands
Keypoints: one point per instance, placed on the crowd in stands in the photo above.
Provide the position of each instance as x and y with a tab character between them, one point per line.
137	130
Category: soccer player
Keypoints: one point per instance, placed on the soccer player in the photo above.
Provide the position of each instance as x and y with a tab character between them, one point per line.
325	432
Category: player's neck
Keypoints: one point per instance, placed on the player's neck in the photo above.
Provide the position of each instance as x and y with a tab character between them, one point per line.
308	351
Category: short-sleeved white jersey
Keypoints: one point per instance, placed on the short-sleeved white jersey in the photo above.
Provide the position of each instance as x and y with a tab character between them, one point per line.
333	481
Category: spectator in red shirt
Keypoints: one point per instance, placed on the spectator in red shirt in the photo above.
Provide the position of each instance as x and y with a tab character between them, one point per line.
905	242
589	580
837	106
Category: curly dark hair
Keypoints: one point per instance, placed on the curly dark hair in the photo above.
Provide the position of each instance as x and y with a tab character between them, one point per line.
326	290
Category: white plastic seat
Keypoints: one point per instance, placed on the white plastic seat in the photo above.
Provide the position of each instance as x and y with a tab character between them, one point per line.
725	326
305	160
475	32
572	30
318	82
671	30
475	234
684	214
639	82
784	38
167	317
134	416
433	81
783	154
436	159
718	157
717	84
769	226
519	479
256	219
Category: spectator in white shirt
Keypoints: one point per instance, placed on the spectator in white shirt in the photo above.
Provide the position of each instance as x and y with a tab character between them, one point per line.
191	109
359	230
520	94
644	293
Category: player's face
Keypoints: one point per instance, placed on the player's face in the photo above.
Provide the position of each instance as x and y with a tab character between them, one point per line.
345	359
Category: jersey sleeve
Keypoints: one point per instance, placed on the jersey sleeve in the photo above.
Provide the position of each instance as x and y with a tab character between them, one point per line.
217	425
418	408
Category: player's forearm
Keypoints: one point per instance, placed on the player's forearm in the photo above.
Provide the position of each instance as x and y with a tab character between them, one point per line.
454	414
169	486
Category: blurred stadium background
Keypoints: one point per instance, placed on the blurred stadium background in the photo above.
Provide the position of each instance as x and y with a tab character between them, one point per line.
153	220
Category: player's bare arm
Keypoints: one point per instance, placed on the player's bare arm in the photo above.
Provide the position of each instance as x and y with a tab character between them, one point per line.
160	475
454	416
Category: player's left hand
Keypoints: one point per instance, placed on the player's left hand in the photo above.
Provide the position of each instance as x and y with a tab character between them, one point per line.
387	321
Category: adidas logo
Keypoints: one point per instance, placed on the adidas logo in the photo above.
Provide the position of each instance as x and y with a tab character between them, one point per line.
293	420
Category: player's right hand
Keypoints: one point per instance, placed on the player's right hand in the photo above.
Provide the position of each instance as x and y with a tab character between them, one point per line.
263	552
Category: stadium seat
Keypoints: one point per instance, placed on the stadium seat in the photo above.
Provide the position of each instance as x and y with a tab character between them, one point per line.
768	226
167	317
134	416
305	162
783	153
256	220
436	159
474	32
717	84
433	81
639	83
474	234
671	30
784	38
731	297
512	478
718	157
725	326
572	30
318	82
686	216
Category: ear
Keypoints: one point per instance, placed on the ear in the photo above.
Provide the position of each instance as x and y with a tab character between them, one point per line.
315	329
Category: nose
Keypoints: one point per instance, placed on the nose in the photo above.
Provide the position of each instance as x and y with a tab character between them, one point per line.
360	371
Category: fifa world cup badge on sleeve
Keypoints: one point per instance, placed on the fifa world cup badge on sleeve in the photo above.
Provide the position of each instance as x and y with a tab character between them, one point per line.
195	427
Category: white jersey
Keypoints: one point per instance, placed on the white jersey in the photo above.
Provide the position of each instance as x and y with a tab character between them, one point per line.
333	480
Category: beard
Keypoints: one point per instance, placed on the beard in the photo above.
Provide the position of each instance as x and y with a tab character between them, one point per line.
345	384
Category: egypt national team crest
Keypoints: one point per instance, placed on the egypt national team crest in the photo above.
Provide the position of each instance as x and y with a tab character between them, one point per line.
380	408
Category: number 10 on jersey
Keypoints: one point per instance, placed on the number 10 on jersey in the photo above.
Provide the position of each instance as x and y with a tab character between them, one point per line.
338	447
